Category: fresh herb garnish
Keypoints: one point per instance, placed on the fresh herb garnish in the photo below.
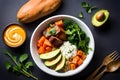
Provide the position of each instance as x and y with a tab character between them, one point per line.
52	31
87	7
85	4
81	15
21	66
76	36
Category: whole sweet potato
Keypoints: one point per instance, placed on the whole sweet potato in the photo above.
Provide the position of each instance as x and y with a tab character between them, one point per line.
35	9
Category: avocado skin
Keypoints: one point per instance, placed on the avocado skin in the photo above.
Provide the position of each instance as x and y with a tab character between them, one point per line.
97	23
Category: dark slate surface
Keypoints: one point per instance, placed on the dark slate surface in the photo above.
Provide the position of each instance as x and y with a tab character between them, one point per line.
107	39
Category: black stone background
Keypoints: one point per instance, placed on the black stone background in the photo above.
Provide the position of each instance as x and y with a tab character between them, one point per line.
107	38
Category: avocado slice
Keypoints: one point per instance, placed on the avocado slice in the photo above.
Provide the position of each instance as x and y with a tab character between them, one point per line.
61	64
100	17
50	55
53	61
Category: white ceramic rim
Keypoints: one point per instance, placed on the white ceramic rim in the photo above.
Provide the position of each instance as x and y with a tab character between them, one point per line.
72	72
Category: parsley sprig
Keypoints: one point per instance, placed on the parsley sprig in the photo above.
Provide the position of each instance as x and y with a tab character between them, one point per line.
81	15
20	66
87	7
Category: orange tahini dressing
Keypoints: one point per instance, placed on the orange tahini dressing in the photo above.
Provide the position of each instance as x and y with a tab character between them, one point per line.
14	35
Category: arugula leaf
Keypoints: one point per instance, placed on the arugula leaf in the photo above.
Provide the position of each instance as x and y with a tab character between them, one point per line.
11	56
87	7
89	10
16	69
20	65
71	38
8	65
81	15
28	64
52	31
82	35
85	4
76	36
23	57
68	32
83	45
67	22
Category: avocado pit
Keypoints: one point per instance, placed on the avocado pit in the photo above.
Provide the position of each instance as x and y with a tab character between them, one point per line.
100	16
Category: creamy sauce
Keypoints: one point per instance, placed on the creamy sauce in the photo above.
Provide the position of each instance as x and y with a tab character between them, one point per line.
14	35
68	50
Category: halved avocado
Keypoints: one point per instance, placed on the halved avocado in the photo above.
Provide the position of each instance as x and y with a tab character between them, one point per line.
100	17
50	55
61	64
53	61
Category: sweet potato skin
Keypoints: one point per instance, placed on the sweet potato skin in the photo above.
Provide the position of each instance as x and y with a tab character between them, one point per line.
35	9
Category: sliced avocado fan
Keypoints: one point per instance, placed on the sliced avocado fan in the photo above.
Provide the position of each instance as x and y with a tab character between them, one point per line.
61	64
50	55
53	61
100	17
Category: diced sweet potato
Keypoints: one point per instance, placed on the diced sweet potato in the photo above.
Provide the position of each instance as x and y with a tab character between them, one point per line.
48	49
83	57
41	40
41	50
80	53
59	23
47	43
80	61
75	59
72	66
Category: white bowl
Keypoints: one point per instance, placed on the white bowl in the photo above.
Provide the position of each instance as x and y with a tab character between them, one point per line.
37	33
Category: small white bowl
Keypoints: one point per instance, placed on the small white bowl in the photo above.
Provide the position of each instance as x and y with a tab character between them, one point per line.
37	33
